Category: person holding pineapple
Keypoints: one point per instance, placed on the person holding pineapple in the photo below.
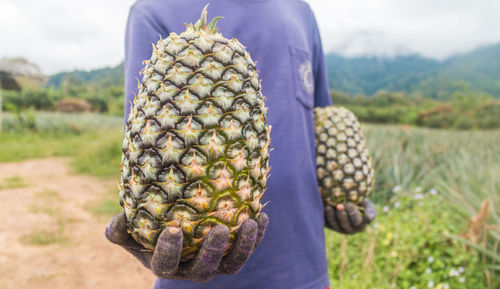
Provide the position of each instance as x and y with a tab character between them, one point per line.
283	38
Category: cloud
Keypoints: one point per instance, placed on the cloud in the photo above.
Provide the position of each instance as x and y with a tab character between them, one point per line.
65	35
434	28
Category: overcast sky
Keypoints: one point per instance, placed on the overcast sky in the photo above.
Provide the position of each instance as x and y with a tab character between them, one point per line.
69	34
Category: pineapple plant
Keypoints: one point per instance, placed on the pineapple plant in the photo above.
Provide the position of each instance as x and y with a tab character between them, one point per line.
196	141
344	168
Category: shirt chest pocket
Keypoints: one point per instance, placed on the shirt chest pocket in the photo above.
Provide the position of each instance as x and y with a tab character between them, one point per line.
303	76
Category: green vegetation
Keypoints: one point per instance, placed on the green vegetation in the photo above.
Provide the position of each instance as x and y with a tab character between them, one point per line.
12	183
436	190
100	156
429	183
47	203
461	92
49	196
466	110
417	75
463	168
55	134
17	146
413	74
107	207
44	237
54	123
104	77
406	247
101	99
468	161
93	140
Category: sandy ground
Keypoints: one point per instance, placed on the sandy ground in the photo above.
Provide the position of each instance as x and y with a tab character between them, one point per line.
56	201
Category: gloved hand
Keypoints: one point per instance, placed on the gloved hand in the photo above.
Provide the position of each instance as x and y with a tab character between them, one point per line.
210	260
348	219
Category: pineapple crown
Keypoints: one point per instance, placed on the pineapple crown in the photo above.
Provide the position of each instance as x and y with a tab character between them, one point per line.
201	24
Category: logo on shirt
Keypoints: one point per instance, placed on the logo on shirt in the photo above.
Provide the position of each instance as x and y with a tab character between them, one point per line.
306	76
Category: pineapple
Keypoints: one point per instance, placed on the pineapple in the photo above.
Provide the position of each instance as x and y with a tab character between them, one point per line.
196	142
343	163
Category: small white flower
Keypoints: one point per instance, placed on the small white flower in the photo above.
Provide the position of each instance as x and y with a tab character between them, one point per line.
396	189
393	285
462	280
453	272
420	203
430	259
375	225
413	287
397	204
446	286
354	276
418	189
430	284
461	269
433	191
419	196
415	219
428	271
386	209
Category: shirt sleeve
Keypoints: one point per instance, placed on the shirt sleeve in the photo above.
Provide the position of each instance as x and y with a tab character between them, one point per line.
321	90
141	34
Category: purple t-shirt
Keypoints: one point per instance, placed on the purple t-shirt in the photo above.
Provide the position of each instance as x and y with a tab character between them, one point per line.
282	38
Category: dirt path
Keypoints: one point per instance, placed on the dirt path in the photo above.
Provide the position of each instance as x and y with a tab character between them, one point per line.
50	239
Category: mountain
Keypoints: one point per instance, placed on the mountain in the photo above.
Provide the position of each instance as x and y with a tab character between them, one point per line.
102	76
479	69
367	75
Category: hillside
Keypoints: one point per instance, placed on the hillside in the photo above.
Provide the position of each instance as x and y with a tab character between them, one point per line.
367	75
480	69
102	76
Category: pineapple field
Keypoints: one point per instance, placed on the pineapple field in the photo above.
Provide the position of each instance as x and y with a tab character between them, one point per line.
436	193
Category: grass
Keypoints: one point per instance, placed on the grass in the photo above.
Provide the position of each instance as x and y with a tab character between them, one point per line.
463	167
58	122
409	157
100	156
12	183
108	206
49	196
22	146
48	203
57	134
407	246
44	237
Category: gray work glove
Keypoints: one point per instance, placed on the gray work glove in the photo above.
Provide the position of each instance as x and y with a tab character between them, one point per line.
348	219
210	260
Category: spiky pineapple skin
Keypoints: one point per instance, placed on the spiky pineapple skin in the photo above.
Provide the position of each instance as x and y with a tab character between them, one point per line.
196	144
343	162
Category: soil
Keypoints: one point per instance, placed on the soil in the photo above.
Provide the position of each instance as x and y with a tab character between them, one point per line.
56	202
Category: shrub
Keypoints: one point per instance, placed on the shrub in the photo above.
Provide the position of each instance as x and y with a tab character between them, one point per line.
40	99
465	109
73	105
407	247
488	114
24	121
440	116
